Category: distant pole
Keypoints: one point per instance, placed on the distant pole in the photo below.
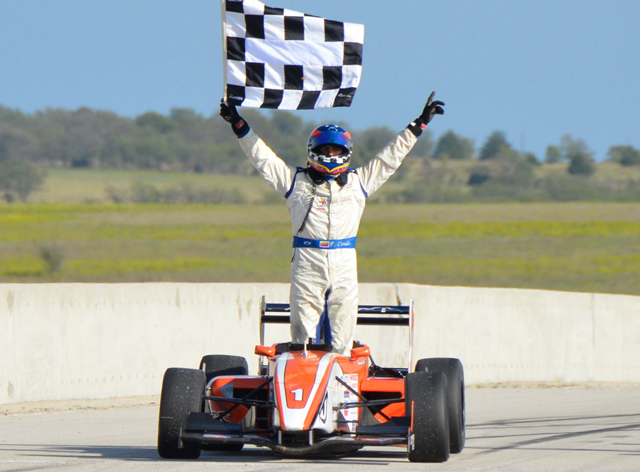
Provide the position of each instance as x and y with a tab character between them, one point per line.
223	21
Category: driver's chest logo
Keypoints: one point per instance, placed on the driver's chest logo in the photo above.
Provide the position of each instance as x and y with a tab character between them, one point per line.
322	203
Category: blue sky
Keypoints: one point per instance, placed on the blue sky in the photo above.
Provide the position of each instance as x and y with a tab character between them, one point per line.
535	69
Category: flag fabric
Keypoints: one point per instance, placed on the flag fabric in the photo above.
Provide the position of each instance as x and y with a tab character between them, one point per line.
279	58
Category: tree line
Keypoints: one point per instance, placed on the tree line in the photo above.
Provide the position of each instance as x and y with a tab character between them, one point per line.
185	141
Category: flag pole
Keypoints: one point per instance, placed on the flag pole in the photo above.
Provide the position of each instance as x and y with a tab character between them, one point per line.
223	11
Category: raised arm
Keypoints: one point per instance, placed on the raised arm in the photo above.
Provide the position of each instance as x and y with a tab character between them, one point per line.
267	163
378	170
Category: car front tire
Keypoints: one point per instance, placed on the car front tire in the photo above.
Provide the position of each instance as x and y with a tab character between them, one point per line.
454	372
182	391
426	404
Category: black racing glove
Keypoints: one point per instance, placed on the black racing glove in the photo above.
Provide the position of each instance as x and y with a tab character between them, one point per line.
431	109
230	115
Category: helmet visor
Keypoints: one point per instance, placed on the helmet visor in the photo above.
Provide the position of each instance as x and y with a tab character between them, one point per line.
330	150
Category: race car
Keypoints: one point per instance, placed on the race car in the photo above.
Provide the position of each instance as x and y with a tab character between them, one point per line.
307	400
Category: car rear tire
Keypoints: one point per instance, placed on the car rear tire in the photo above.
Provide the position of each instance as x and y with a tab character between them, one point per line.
426	403
215	365
454	372
182	391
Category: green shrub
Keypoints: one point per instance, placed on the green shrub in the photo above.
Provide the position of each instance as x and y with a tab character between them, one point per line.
53	257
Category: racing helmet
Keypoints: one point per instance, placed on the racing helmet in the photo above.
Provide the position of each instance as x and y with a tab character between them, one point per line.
334	135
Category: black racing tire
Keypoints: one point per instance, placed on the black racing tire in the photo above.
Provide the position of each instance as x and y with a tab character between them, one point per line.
426	403
182	391
215	365
454	372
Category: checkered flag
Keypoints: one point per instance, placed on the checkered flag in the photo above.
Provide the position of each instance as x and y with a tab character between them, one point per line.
279	58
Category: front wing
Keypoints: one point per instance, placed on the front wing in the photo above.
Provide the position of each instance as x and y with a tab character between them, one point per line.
204	429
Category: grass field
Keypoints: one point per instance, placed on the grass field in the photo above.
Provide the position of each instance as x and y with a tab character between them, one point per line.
575	247
95	186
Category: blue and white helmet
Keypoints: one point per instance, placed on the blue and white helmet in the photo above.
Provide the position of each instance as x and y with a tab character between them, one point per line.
329	134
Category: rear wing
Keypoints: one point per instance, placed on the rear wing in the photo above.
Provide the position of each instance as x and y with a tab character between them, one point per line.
368	315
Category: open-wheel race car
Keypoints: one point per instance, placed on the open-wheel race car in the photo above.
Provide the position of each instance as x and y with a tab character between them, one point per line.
307	400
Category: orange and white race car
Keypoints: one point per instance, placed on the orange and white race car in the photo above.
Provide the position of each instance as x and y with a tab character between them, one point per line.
307	400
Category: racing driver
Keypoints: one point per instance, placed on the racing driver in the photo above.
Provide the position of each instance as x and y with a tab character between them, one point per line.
326	200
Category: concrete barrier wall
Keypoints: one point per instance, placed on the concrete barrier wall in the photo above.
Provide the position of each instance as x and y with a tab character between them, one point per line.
69	341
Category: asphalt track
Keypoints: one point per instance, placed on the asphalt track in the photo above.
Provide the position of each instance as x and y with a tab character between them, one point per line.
583	428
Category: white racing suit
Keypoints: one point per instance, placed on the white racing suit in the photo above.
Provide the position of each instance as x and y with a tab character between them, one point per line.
324	220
